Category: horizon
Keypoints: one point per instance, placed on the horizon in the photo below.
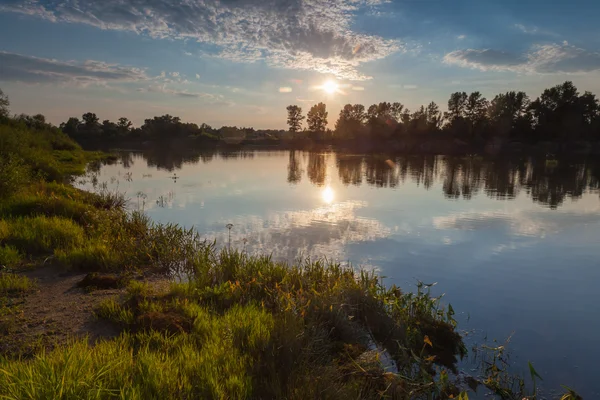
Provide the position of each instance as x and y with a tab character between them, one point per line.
240	63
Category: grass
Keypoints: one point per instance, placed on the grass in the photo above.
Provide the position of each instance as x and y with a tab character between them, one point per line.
12	284
9	256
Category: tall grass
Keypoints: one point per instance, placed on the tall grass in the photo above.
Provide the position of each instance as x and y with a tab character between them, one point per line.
41	235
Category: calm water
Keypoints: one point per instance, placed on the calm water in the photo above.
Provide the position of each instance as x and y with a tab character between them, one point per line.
515	245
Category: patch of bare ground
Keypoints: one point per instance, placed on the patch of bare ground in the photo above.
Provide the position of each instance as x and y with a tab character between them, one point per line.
58	310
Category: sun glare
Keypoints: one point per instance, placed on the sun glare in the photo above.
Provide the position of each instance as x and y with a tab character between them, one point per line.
330	87
328	195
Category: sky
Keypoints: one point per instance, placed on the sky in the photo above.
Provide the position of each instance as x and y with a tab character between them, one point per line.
242	62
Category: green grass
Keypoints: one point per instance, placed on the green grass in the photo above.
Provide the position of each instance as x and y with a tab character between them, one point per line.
9	256
12	284
41	234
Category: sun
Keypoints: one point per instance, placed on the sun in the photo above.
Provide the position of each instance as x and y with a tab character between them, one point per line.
330	87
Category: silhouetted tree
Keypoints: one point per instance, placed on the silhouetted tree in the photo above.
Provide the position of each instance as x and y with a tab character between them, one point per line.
90	120
317	119
295	118
509	115
109	129
350	124
124	126
71	126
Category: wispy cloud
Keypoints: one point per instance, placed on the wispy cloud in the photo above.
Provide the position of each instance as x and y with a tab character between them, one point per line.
542	59
21	68
285	89
207	97
299	34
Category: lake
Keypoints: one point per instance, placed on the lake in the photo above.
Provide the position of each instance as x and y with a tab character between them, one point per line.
513	243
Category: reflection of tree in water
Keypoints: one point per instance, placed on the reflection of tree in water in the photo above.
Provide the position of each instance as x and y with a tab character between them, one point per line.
381	172
316	169
546	182
549	183
350	169
294	168
236	154
126	159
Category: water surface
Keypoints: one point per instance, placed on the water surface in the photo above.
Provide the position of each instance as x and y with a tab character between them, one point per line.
514	244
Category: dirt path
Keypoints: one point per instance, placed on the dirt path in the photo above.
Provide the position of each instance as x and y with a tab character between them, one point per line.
57	311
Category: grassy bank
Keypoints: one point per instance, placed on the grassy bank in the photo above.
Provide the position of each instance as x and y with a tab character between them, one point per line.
225	326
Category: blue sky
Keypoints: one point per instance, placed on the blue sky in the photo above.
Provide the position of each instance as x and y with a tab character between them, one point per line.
241	62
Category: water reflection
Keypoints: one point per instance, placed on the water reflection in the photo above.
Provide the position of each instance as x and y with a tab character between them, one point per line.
548	183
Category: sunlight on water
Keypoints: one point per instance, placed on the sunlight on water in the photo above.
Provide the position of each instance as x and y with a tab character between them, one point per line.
328	195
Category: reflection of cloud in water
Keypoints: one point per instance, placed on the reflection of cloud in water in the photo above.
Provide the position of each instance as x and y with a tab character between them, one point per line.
518	222
319	232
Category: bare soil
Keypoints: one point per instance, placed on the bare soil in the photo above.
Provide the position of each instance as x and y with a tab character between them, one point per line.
57	311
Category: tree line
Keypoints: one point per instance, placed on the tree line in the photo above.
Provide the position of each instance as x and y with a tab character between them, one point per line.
560	113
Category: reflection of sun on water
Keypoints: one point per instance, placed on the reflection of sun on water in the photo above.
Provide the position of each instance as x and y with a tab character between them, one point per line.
328	195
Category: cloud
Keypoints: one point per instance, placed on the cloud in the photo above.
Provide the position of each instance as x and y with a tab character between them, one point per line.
542	59
461	37
197	76
285	89
357	88
410	87
21	68
301	100
298	34
208	97
529	30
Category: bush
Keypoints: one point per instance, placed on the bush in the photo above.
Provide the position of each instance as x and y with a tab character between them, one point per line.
14	176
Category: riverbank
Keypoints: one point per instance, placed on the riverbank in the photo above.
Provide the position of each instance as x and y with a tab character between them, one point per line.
239	327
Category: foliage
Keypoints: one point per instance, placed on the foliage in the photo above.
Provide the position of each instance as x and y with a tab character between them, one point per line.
317	118
295	118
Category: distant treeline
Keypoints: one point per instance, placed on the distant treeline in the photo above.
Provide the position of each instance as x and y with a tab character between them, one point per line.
560	115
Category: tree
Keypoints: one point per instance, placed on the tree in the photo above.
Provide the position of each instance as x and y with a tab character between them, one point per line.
317	118
350	122
124	124
457	106
295	118
434	117
71	126
558	113
4	104
90	120
109	129
509	114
